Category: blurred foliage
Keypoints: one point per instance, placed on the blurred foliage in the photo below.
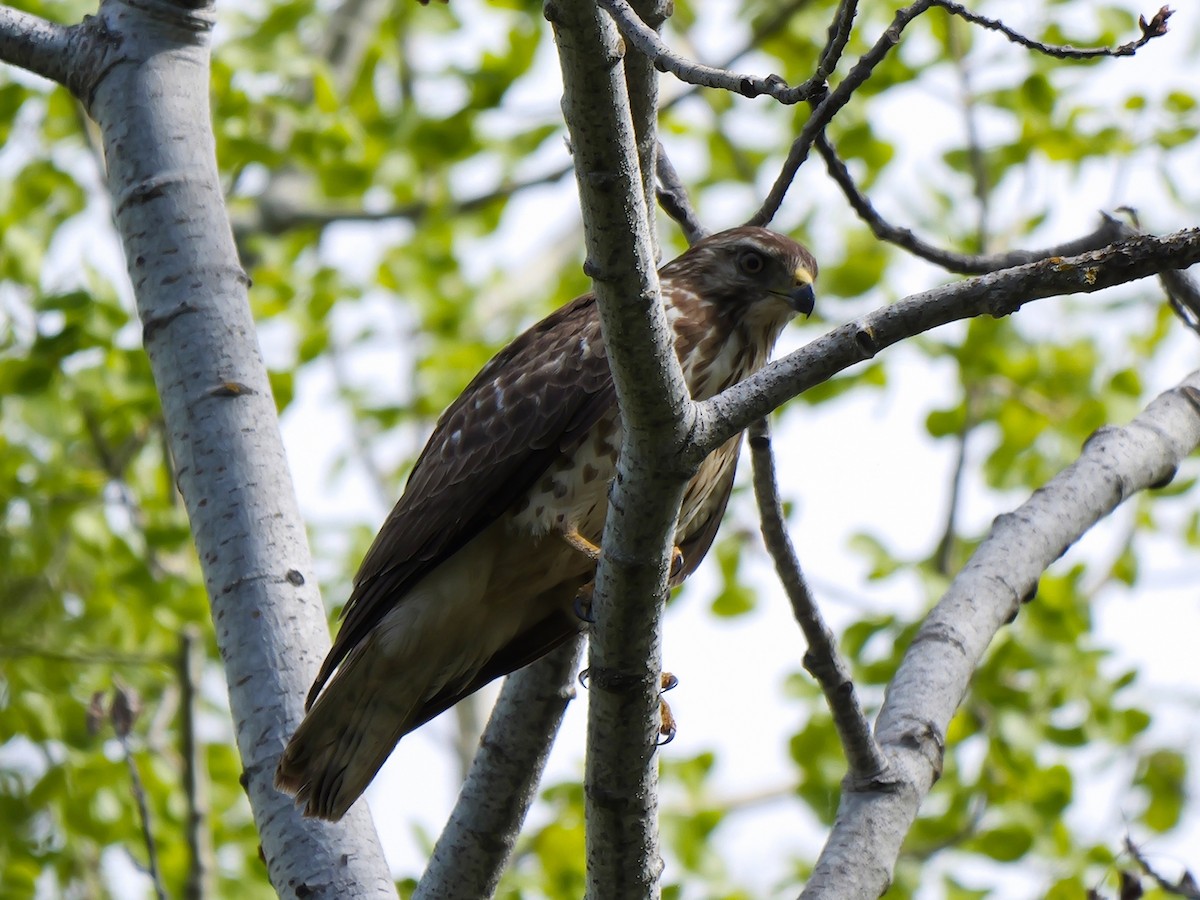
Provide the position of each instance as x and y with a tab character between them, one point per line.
441	125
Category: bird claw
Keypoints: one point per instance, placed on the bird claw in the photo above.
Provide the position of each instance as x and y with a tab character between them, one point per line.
582	606
676	562
583	678
666	728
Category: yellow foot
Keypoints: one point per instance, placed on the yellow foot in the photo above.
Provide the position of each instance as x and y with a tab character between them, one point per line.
582	544
666	727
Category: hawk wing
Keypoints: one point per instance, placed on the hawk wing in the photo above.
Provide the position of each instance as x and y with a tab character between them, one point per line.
536	399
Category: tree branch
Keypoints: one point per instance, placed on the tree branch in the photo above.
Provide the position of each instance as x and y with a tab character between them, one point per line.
1002	574
995	294
823	661
195	770
144	79
650	45
673	198
835	45
641	86
277	212
33	44
471	853
1109	230
625	649
827	108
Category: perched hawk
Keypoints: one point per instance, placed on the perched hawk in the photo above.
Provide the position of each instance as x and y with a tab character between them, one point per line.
475	572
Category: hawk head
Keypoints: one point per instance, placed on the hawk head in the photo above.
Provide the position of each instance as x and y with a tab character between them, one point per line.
749	276
728	298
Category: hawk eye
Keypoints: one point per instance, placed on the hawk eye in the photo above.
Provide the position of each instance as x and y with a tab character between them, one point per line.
751	262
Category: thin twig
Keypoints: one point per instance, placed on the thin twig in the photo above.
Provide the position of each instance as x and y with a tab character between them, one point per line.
827	108
1186	886
941	557
122	715
865	760
85	657
979	175
275	216
835	45
1156	27
1109	230
673	198
139	796
195	772
647	42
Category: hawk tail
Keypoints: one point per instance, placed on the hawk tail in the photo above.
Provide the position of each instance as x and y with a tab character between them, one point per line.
343	741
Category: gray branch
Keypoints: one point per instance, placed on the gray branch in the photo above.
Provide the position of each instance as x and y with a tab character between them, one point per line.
822	659
641	85
625	651
36	45
995	294
1116	463
143	75
472	851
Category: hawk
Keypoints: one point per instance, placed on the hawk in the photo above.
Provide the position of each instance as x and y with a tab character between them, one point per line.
476	570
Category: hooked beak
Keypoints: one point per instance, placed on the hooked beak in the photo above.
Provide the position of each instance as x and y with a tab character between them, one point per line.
801	297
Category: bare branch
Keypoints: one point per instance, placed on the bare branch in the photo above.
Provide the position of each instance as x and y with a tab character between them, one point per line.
84	656
823	661
934	675
625	648
1109	230
1183	291
470	855
827	108
673	198
195	769
1186	886
641	85
649	44
277	212
36	45
122	715
835	45
1156	27
149	93
995	294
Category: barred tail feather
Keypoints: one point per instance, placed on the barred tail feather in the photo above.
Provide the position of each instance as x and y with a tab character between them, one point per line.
347	735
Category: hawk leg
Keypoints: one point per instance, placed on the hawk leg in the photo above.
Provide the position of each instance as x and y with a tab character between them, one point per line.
666	728
583	598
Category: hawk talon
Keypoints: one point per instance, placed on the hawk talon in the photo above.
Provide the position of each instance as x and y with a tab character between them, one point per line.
582	605
666	727
669	682
583	678
676	562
